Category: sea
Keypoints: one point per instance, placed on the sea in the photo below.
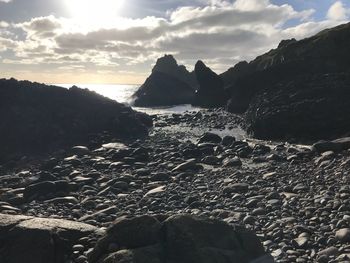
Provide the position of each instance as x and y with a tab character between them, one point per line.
123	94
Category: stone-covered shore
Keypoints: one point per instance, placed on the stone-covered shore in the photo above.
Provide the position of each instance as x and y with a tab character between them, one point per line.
293	197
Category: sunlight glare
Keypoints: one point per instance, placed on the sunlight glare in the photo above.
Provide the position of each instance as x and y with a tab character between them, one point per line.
101	12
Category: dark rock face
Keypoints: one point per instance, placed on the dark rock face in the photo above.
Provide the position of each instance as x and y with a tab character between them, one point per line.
308	107
176	239
36	118
161	89
211	91
168	65
293	88
39	240
337	145
169	84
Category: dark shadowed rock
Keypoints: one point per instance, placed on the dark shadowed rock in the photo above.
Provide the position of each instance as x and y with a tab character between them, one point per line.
168	65
210	137
37	118
169	84
45	190
39	240
178	239
162	89
307	107
335	145
293	91
211	91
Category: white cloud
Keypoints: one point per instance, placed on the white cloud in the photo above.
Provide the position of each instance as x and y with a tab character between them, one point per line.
220	33
6	1
4	24
337	11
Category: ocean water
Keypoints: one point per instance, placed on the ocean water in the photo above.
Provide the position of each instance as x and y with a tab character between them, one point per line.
123	94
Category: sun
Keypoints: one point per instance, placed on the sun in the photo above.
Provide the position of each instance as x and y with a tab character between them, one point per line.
94	11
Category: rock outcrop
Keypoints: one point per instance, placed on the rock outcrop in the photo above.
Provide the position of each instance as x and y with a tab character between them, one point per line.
36	118
210	92
177	239
168	65
169	84
292	91
40	240
308	107
161	89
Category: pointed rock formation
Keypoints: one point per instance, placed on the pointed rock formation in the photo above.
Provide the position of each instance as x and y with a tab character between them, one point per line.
211	91
161	89
168	65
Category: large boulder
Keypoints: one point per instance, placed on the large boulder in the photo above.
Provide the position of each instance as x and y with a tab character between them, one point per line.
40	240
211	92
36	118
161	89
177	239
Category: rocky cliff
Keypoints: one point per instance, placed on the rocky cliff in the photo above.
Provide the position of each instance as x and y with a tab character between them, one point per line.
292	91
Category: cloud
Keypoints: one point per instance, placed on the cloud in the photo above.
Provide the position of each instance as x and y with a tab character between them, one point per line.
4	24
41	26
5	1
337	11
219	32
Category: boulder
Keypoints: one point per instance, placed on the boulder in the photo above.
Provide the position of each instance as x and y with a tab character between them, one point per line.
335	145
46	190
210	137
40	240
36	118
177	239
162	89
211	92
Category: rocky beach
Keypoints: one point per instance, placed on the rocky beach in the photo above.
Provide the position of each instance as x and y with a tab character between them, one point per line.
259	174
294	197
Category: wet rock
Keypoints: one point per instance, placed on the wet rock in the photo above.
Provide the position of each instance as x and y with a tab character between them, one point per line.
188	165
232	162
236	188
343	235
210	137
45	189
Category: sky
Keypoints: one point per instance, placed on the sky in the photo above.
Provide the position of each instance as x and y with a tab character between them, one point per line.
118	41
